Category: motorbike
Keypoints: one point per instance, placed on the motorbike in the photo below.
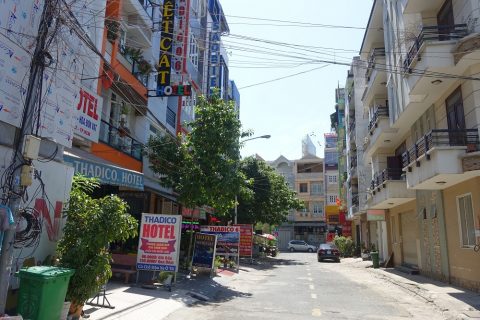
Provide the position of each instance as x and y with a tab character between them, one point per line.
271	251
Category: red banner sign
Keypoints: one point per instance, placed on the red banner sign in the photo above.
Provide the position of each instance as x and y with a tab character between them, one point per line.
246	238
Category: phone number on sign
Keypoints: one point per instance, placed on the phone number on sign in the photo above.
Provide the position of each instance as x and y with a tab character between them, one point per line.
155	267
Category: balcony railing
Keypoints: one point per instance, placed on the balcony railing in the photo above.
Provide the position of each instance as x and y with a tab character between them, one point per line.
135	69
120	139
442	138
380	111
377	52
385	175
433	33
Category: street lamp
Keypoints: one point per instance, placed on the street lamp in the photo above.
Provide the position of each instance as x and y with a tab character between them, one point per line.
265	136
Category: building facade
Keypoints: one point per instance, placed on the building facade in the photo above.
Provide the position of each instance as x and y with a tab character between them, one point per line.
304	176
422	141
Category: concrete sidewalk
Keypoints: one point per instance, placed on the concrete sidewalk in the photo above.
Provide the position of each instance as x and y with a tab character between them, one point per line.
133	302
454	302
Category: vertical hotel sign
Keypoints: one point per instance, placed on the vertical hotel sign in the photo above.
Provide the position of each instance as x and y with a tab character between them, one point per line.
213	81
166	45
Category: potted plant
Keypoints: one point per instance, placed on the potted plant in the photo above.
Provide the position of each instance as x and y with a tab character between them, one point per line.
113	27
144	67
91	225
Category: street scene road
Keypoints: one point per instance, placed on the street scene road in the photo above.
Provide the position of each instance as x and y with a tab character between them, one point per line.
296	286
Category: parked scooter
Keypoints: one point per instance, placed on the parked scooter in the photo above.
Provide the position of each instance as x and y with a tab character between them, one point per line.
271	251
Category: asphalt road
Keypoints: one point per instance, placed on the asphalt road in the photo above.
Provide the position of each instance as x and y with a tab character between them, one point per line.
296	286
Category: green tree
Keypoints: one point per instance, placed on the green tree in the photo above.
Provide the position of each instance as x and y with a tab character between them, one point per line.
91	225
267	198
202	165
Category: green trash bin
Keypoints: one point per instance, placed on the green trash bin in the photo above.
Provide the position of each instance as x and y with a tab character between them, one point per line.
42	292
375	259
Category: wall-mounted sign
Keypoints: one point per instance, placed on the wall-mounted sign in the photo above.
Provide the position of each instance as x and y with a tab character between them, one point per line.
87	119
166	44
172	91
214	69
159	242
107	174
375	215
180	40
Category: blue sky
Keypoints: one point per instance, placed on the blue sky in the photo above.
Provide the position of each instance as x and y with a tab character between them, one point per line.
289	109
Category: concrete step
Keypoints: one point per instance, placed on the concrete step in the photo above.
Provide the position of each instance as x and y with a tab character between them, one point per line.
407	269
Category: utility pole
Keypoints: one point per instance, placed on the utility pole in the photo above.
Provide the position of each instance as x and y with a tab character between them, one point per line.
16	190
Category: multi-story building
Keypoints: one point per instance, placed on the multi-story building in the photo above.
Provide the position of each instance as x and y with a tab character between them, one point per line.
305	176
331	182
358	172
422	141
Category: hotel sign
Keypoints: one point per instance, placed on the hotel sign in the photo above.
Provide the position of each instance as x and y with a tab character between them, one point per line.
166	44
106	174
213	81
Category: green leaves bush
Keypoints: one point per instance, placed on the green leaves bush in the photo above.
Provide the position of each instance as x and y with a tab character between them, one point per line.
91	225
345	245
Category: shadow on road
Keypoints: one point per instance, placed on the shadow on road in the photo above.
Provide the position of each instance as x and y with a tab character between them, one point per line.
207	290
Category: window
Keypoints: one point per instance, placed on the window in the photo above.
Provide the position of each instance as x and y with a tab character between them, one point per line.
193	53
466	220
303	187
171	117
332	179
331	157
316	188
332	199
318	208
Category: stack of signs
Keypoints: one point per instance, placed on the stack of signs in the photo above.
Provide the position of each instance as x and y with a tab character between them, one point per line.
204	250
228	239
159	242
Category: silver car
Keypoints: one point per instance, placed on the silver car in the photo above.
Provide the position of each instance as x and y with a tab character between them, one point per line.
300	245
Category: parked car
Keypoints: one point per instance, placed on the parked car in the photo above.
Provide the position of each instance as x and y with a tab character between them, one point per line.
300	245
328	251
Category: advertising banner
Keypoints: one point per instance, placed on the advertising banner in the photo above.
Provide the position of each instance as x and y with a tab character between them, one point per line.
228	239
204	250
106	174
86	121
70	62
159	242
246	239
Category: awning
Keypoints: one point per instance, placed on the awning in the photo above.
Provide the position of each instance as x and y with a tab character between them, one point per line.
91	166
155	187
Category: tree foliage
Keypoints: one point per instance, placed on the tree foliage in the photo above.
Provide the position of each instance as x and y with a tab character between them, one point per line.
91	225
268	198
202	166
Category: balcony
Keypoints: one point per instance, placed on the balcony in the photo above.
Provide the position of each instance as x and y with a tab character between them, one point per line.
137	66
120	139
388	189
375	76
381	134
138	11
428	37
415	6
436	161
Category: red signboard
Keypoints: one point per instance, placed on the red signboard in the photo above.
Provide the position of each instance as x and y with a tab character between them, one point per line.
246	238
